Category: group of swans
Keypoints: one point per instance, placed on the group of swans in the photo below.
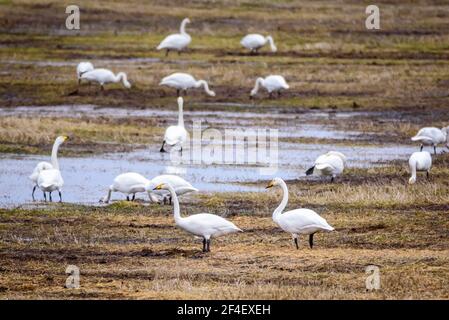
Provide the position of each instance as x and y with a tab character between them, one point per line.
180	41
46	175
206	225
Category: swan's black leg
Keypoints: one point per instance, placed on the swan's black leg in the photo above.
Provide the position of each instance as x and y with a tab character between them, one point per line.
178	92
162	148
422	146
169	199
332	179
102	87
51	200
45	196
60	196
166	52
311	240
434	150
134	197
279	93
127	198
208	245
427	174
296	243
32	193
165	200
185	92
204	244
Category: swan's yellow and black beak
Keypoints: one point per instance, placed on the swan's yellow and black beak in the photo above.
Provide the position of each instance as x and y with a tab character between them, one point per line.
270	185
159	187
65	138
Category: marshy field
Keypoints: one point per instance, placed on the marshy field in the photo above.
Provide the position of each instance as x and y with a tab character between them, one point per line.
361	92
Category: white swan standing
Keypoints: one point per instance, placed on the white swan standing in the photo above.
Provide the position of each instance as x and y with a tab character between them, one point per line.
419	161
254	42
82	68
184	81
128	183
178	41
432	136
203	225
273	83
105	76
298	221
176	135
180	186
44	165
329	164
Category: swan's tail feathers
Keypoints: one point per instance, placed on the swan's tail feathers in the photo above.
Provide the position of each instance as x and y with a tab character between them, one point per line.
310	171
421	138
45	185
323	166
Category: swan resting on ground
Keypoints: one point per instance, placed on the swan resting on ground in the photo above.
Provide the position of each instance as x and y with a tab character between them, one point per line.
329	164
254	42
298	221
185	81
178	41
44	165
180	186
82	68
176	135
419	161
105	76
432	136
203	225
273	83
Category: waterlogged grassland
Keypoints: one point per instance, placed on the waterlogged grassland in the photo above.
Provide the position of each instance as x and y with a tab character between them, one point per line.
133	250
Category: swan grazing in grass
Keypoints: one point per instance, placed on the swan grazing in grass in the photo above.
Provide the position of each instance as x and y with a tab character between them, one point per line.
128	183
41	166
419	161
298	221
273	83
432	136
82	68
184	81
203	225
105	76
254	42
180	186
178	41
176	135
329	164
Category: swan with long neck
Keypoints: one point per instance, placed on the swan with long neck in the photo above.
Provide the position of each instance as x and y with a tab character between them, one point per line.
185	81
254	42
432	136
180	185
105	76
44	165
272	83
176	135
298	221
51	180
178	41
203	225
419	161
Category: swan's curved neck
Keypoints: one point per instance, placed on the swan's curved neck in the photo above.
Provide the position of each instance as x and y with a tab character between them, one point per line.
175	201
259	82
54	155
182	29
277	212
203	83
180	115
269	39
121	77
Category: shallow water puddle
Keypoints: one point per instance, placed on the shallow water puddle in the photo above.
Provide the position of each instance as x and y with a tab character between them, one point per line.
87	179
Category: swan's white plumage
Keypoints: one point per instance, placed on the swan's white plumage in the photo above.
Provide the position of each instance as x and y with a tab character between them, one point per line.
254	42
180	185
177	135
419	161
105	76
204	225
41	166
83	67
432	136
298	221
178	41
127	183
329	164
272	83
185	81
50	180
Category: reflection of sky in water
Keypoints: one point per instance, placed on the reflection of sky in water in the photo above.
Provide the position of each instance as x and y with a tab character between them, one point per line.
87	179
